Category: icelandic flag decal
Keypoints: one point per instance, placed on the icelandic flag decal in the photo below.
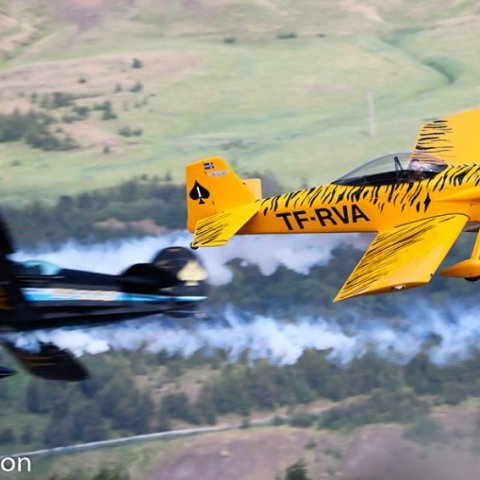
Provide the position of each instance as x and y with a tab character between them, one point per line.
208	165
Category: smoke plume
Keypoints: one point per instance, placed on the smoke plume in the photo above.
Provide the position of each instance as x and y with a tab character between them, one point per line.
268	252
281	340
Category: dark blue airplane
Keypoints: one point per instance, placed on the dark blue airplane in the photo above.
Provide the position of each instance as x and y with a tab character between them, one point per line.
36	295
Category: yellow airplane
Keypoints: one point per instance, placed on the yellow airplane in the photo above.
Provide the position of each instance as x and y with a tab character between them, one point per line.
419	203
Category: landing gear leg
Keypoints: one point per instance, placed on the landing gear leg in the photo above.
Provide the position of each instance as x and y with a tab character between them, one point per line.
476	248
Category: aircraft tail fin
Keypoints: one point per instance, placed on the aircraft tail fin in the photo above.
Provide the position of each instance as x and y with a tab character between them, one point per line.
219	202
255	186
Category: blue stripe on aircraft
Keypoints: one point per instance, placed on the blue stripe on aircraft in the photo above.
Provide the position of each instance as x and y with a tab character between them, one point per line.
134	297
59	294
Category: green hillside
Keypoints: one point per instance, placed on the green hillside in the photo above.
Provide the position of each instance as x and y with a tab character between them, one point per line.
277	85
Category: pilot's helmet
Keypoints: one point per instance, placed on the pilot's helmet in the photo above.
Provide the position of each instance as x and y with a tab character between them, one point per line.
415	164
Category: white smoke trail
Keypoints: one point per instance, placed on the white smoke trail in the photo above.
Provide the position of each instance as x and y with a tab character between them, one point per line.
264	337
279	341
268	252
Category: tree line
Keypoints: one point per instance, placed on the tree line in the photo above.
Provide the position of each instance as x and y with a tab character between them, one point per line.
84	217
112	403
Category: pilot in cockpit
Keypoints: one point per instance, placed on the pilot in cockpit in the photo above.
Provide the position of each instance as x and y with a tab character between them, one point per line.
417	169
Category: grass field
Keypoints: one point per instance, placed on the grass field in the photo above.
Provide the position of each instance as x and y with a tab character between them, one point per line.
134	459
296	106
375	452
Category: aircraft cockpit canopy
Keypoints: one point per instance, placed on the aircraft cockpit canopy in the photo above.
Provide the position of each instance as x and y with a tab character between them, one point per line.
394	168
38	268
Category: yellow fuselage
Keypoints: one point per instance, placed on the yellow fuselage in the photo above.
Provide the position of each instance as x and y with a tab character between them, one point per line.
344	208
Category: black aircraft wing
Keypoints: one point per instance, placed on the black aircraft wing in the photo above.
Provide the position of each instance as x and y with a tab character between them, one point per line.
6	243
6	372
49	362
12	302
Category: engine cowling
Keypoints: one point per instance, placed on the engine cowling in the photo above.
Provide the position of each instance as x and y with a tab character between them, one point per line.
174	270
182	263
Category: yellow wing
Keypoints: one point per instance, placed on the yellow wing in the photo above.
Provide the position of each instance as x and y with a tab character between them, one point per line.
405	256
456	139
218	229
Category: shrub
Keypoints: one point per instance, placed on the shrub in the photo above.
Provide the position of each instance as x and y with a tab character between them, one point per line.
136	63
286	35
138	87
425	430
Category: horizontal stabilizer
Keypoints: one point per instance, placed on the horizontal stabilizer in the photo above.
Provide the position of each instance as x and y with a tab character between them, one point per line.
49	362
218	229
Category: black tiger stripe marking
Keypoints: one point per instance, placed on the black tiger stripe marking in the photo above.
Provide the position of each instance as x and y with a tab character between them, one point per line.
210	229
383	253
409	194
433	138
